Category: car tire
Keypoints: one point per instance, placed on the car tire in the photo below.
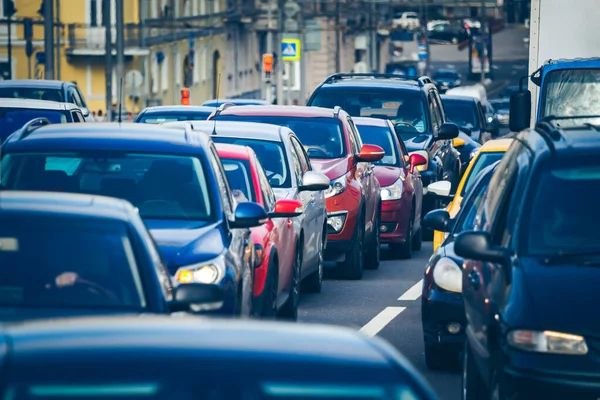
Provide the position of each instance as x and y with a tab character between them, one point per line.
473	387
270	302
352	267
314	282
289	311
404	250
373	253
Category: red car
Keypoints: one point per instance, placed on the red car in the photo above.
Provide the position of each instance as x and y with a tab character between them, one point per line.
275	241
335	149
401	187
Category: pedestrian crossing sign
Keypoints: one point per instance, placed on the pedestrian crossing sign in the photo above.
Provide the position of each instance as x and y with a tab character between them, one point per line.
290	49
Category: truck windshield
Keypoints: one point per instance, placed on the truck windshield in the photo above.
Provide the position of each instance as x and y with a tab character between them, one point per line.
572	92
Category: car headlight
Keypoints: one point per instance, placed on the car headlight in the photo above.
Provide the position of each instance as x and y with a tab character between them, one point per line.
448	275
211	271
392	192
490	119
335	221
423	167
336	186
548	342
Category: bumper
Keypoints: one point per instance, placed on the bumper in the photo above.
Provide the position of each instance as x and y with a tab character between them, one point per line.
230	298
441	308
394	220
522	384
345	207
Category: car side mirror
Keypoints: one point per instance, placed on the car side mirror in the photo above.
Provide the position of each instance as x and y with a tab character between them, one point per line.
458	142
248	215
466	131
370	153
196	297
438	220
85	112
314	182
286	208
447	131
520	111
415	160
477	245
440	188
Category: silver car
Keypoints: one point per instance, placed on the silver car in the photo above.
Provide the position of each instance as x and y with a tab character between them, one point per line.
291	176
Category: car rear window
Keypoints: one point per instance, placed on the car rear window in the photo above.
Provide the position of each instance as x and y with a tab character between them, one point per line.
32	93
483	160
156	118
383	137
12	119
462	113
239	178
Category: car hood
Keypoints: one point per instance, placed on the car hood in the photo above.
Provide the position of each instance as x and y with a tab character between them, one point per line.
16	314
417	143
332	168
386	175
186	242
577	289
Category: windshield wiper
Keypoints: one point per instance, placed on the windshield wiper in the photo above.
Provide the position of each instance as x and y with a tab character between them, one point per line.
562	256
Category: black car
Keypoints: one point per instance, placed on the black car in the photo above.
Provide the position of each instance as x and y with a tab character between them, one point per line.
442	307
453	33
161	114
467	150
415	108
469	114
16	113
156	357
66	255
531	270
48	90
446	79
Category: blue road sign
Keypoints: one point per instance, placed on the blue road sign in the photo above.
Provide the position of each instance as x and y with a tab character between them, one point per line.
290	49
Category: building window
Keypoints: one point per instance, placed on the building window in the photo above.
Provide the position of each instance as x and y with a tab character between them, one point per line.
197	66
216	6
154	9
202	6
195	4
164	69
177	66
188	71
154	74
187	8
204	67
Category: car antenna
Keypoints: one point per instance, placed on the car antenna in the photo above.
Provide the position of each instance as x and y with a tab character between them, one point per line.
120	116
214	132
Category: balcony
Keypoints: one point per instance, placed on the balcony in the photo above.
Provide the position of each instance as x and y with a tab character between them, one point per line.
86	40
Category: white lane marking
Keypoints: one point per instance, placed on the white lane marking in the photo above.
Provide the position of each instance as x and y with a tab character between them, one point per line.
374	326
414	292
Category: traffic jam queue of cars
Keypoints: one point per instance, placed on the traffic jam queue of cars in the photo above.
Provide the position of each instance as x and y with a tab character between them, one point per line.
234	210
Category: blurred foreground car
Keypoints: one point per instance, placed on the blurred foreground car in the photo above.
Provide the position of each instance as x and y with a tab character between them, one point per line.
278	262
161	114
442	307
174	178
401	187
290	174
72	254
194	358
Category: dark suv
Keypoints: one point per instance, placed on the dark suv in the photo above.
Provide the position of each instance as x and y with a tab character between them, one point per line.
415	108
531	270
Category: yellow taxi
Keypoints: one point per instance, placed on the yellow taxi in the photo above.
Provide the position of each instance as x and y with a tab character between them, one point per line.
489	153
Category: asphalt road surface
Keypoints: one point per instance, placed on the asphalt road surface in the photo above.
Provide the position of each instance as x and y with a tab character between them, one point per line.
386	302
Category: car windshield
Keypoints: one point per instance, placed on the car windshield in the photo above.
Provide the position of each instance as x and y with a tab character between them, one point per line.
501	105
404	106
321	137
239	178
446	75
468	210
383	137
31	93
483	160
462	113
63	262
563	215
270	154
12	119
160	186
156	118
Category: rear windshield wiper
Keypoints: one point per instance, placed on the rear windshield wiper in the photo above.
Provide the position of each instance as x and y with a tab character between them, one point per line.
562	256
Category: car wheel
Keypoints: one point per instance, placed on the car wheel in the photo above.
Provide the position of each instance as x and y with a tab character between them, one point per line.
473	387
290	308
454	40
352	267
314	282
270	302
373	254
404	250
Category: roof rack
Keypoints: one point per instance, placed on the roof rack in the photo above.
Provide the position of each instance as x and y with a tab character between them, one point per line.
549	132
223	107
30	127
336	111
337	77
424	80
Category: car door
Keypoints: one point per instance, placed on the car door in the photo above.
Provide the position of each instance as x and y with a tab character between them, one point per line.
435	148
77	116
411	181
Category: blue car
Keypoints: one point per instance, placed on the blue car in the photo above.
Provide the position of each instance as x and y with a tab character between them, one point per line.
66	255
235	102
161	114
173	177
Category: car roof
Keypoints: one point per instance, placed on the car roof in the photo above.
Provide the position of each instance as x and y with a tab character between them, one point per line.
577	140
250	130
283	111
178	108
35	83
189	336
227	150
447	97
366	121
110	136
237	101
375	83
496	145
83	206
33	104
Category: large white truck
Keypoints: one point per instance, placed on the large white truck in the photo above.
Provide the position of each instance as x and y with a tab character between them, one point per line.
564	71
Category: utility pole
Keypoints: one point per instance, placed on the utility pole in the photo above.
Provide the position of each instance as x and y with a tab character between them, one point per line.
9	19
373	26
280	56
483	43
58	44
338	63
120	53
302	96
49	39
106	20
174	53
146	87
268	86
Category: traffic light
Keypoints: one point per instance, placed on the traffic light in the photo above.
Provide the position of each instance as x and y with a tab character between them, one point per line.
267	66
185	97
9	8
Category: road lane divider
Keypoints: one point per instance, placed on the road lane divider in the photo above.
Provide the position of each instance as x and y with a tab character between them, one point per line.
374	326
414	292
